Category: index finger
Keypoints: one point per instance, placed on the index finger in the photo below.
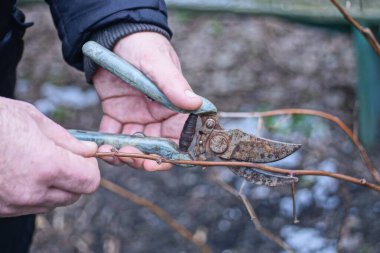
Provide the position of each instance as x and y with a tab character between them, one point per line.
140	163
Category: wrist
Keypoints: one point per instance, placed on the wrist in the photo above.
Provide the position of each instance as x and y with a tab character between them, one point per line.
109	36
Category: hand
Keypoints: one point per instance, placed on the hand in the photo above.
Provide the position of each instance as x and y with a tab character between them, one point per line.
41	165
126	110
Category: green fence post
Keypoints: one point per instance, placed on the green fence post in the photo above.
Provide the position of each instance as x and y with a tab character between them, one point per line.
368	89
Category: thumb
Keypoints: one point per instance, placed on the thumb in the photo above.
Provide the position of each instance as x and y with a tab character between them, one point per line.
64	139
173	84
75	174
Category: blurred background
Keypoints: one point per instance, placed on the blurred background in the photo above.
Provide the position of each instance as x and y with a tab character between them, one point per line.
240	62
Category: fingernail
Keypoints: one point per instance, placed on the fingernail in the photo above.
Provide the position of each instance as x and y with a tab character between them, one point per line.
190	94
90	144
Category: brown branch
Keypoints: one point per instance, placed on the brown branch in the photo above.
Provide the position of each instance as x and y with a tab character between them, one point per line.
251	211
159	212
367	33
295	218
361	182
187	234
344	224
336	120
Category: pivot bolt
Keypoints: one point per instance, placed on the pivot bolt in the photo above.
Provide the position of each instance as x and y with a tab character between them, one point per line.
219	143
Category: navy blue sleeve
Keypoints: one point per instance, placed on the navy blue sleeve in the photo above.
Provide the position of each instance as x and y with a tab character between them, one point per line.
76	20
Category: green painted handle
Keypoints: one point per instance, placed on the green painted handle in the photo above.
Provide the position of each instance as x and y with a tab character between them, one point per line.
129	74
148	145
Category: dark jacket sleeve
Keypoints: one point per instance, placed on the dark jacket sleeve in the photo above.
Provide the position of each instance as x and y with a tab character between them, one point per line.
76	20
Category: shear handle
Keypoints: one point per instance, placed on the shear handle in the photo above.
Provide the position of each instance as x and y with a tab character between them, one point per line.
129	74
148	145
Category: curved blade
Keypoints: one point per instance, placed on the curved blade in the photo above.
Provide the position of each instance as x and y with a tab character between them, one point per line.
249	148
260	177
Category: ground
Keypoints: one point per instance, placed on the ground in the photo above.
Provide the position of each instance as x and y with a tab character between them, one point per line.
241	63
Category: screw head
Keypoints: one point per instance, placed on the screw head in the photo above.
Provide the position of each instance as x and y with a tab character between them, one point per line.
210	123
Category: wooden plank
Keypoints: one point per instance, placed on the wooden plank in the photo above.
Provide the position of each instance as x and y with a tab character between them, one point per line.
314	11
368	90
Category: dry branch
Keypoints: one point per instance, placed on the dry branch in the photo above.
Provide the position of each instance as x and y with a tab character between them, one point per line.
367	33
251	211
187	234
159	160
344	226
295	218
363	154
159	212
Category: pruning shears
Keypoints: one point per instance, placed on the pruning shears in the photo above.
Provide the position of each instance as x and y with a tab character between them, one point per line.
201	140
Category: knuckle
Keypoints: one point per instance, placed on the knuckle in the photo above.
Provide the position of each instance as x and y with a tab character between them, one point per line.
91	182
47	174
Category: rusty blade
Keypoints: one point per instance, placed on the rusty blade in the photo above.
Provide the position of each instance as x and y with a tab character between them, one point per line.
250	148
260	177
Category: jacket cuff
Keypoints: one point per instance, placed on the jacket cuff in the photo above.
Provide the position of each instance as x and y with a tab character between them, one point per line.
109	36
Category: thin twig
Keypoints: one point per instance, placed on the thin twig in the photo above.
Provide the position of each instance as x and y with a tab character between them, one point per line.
367	33
252	214
295	218
358	181
363	154
344	226
158	211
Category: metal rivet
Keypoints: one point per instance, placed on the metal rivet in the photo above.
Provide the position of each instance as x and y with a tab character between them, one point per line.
139	134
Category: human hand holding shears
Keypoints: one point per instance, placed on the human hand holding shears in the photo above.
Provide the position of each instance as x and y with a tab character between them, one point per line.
209	141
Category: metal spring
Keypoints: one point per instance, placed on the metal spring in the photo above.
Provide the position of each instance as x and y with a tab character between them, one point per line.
188	132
